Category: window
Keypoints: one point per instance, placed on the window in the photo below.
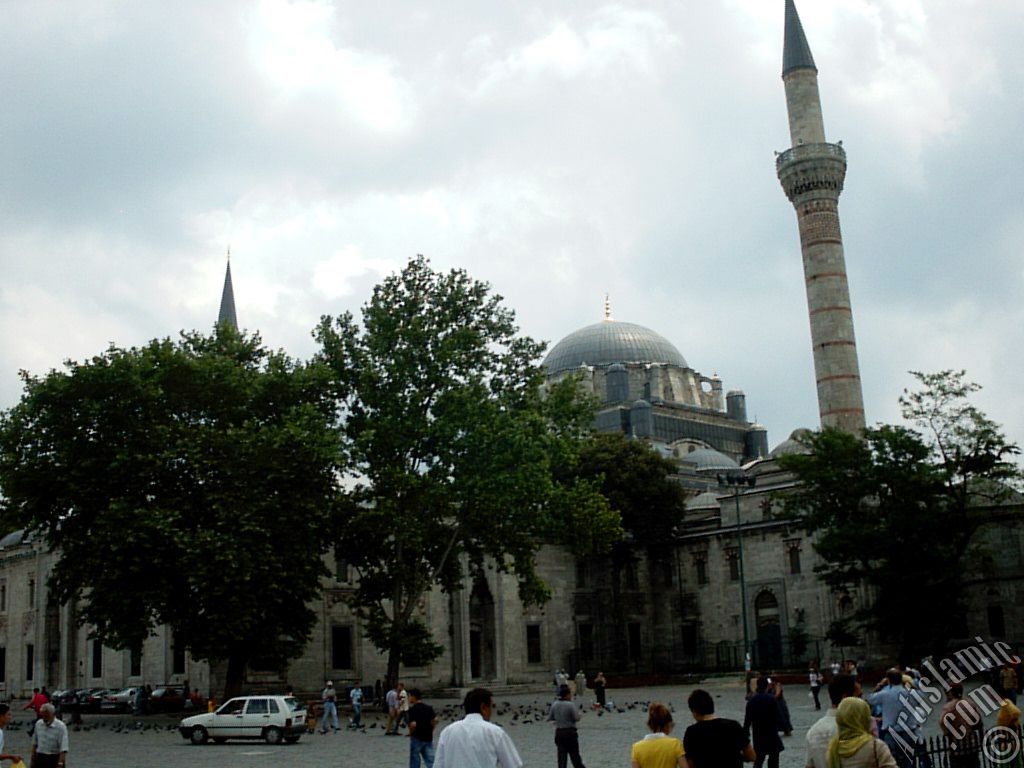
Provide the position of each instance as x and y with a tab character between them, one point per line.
733	556
97	658
586	641
257	707
533	654
633	637
342	570
3	597
689	639
793	550
31	593
3	665
581	574
629	580
700	564
274	709
177	656
667	573
30	661
135	663
996	622
341	648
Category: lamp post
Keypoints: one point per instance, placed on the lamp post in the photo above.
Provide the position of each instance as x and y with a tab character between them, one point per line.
735	483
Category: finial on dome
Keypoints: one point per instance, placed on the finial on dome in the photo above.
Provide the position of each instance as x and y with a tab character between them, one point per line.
607	309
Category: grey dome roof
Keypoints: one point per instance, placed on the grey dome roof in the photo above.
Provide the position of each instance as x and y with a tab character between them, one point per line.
709	460
610	342
791	445
12	539
706	500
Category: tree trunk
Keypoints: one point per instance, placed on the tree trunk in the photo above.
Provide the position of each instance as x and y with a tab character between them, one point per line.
235	676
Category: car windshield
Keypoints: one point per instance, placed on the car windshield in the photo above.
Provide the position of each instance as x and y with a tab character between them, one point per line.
294	705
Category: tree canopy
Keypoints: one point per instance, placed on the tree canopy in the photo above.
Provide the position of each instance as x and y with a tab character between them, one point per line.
894	511
189	483
456	450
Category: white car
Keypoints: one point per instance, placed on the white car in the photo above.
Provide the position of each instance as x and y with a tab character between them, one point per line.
271	718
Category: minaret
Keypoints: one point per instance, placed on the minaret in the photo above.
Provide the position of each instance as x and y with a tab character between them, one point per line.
812	174
226	316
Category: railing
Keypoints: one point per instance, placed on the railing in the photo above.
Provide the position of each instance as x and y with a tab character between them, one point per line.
995	748
810	150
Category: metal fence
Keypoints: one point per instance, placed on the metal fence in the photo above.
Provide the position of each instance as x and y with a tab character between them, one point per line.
998	747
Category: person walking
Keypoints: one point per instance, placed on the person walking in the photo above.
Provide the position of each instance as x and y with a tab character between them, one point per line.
820	734
49	740
581	685
895	729
5	718
762	720
658	749
961	722
356	697
815	679
422	722
329	699
474	741
1008	682
714	742
565	715
853	746
391	729
403	706
599	690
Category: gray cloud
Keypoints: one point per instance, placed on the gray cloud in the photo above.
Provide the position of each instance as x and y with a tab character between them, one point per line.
559	150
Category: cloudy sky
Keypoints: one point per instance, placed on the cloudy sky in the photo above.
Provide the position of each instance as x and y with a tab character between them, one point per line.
559	150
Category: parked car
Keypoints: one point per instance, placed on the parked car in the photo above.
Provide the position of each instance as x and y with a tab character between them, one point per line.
119	701
274	719
90	699
167	698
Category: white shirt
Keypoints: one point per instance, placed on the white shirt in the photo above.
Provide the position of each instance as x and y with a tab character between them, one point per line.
50	738
472	742
818	737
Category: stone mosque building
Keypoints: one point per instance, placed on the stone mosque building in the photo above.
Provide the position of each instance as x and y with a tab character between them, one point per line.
735	570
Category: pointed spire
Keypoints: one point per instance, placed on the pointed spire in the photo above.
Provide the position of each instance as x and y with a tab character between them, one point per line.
227	300
796	53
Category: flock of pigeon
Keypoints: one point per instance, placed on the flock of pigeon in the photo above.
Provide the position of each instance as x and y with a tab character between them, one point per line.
505	714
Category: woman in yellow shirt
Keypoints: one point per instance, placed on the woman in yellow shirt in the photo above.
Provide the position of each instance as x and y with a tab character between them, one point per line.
658	749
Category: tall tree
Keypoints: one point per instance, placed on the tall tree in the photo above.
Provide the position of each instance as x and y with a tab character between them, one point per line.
187	483
456	449
894	511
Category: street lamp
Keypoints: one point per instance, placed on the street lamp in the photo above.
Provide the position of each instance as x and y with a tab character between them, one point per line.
735	483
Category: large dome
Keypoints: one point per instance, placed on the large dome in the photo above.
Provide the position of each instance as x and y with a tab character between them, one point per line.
610	342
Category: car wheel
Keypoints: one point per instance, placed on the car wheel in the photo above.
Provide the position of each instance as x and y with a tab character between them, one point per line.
272	735
291	739
198	735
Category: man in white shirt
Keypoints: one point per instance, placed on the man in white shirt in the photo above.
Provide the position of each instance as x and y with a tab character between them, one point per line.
474	741
821	733
49	740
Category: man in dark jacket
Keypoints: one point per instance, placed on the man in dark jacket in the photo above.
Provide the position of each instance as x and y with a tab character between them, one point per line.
762	718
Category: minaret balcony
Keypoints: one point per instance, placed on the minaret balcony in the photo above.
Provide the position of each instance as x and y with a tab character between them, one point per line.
805	151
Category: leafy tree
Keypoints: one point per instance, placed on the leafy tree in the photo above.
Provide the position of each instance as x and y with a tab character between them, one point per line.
186	483
456	449
894	511
637	481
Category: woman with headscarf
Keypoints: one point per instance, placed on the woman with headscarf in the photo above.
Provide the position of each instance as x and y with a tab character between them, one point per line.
853	746
1008	716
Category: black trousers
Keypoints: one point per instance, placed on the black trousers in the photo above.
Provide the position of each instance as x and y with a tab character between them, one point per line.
568	743
772	757
41	760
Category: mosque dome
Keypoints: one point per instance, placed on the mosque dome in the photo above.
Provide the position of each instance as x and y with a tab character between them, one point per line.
610	342
706	500
13	539
791	445
709	460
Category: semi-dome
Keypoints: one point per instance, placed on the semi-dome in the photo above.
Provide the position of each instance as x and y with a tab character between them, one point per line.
706	500
793	444
707	460
610	342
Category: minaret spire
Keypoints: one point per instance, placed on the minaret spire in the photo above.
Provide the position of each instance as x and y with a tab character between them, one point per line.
812	173
227	316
